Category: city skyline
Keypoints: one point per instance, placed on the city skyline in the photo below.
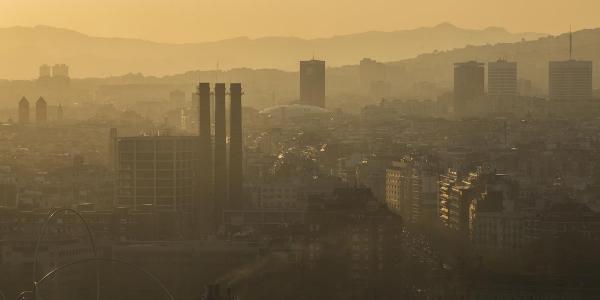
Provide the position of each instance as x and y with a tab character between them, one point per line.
431	163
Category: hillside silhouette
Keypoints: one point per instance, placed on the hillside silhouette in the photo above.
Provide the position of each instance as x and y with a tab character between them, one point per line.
25	48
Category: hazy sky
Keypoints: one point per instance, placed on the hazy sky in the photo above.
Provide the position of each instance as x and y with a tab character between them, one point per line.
202	20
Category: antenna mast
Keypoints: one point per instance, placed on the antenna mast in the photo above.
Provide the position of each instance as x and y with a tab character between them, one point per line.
570	43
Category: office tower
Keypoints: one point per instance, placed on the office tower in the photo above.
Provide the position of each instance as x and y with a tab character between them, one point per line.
370	72
24	111
468	84
570	80
205	162
60	70
60	75
235	148
502	79
156	171
41	112
312	82
45	71
220	167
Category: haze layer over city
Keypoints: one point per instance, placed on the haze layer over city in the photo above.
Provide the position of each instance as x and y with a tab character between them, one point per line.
258	149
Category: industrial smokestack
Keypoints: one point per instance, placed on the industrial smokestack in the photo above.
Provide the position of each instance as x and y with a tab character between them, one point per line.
205	162
220	152
235	148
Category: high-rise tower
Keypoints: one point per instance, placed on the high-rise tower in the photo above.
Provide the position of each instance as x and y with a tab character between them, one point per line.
235	148
570	80
312	82
157	172
370	72
502	79
469	81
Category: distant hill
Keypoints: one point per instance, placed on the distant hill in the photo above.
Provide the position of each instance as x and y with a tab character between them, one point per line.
25	48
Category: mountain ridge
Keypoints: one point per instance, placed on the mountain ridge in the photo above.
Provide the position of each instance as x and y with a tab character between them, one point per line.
89	56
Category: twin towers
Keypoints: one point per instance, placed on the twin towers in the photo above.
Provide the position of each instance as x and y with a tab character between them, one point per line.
218	176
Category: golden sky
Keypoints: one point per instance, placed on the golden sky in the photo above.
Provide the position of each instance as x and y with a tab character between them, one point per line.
202	20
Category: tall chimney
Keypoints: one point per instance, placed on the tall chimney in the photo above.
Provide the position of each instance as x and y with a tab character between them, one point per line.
235	148
220	152
205	162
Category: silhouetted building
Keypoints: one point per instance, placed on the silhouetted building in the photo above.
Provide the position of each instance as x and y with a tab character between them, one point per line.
570	80
56	76
312	82
236	148
456	195
494	222
371	71
502	79
158	173
45	71
24	111
60	70
220	167
41	111
469	82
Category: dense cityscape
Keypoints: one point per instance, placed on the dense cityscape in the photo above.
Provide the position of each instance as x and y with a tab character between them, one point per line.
465	173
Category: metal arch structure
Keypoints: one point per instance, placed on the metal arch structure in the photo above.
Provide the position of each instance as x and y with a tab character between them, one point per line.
96	259
108	260
22	295
44	229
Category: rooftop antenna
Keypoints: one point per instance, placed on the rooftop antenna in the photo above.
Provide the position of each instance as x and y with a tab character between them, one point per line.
217	72
570	43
